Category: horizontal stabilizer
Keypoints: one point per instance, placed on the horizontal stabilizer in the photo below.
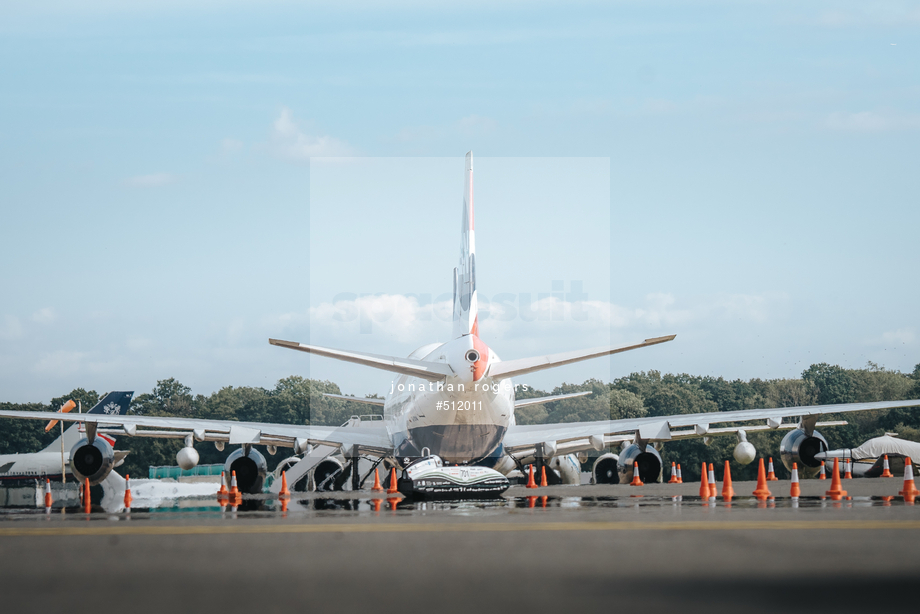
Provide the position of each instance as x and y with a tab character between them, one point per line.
368	400
523	366
555	397
431	371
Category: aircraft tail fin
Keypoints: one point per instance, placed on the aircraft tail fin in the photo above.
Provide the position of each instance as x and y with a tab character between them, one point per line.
114	404
466	308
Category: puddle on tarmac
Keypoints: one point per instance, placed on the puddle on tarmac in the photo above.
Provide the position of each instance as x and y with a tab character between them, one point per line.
328	507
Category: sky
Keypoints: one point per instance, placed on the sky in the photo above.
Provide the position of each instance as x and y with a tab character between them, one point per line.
181	181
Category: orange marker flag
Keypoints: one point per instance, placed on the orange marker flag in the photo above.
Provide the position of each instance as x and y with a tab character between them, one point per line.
65	409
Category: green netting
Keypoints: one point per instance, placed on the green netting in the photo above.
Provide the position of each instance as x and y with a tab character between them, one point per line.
174	472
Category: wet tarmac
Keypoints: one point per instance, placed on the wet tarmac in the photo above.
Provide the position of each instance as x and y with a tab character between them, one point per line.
563	548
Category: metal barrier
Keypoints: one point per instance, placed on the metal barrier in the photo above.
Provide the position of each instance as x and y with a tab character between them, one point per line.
175	472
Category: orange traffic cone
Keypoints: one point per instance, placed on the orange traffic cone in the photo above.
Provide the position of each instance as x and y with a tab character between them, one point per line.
87	502
727	491
771	476
910	489
680	475
712	482
284	493
836	493
795	490
636	481
673	479
377	487
48	499
886	470
543	476
236	497
222	495
822	475
127	492
761	492
704	483
392	490
531	483
848	475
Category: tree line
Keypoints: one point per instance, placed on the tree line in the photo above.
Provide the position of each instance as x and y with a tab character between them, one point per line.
297	400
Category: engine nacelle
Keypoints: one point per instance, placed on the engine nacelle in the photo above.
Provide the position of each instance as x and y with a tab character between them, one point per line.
797	447
250	468
649	464
92	460
604	470
567	467
329	475
745	453
187	458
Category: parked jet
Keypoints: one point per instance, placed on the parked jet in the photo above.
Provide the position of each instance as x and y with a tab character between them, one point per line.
48	463
456	400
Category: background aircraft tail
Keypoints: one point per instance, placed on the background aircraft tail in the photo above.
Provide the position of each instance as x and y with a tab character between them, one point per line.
466	308
114	403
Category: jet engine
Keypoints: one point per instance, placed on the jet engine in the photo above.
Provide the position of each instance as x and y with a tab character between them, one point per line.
329	474
744	452
798	447
604	470
649	463
92	460
250	467
187	457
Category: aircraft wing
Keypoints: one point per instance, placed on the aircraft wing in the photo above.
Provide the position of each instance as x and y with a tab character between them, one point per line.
372	436
368	400
579	435
431	371
550	399
522	366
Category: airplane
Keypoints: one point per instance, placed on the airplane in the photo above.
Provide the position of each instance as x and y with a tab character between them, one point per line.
868	459
456	401
48	462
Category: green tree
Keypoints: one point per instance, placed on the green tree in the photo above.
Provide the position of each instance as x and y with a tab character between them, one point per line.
832	383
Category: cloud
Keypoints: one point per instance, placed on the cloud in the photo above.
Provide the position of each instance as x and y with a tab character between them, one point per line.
60	362
871	121
138	344
44	316
890	14
901	336
514	316
465	127
10	328
150	181
290	142
474	125
230	146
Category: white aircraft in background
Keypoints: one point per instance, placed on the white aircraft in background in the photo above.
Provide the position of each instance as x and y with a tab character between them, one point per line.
50	462
456	400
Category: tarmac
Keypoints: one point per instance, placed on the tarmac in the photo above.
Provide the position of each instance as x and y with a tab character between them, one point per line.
562	548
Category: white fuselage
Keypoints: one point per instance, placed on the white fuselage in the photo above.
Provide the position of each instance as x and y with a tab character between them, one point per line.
461	419
38	465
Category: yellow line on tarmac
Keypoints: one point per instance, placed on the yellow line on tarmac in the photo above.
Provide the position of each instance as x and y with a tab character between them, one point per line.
458	527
